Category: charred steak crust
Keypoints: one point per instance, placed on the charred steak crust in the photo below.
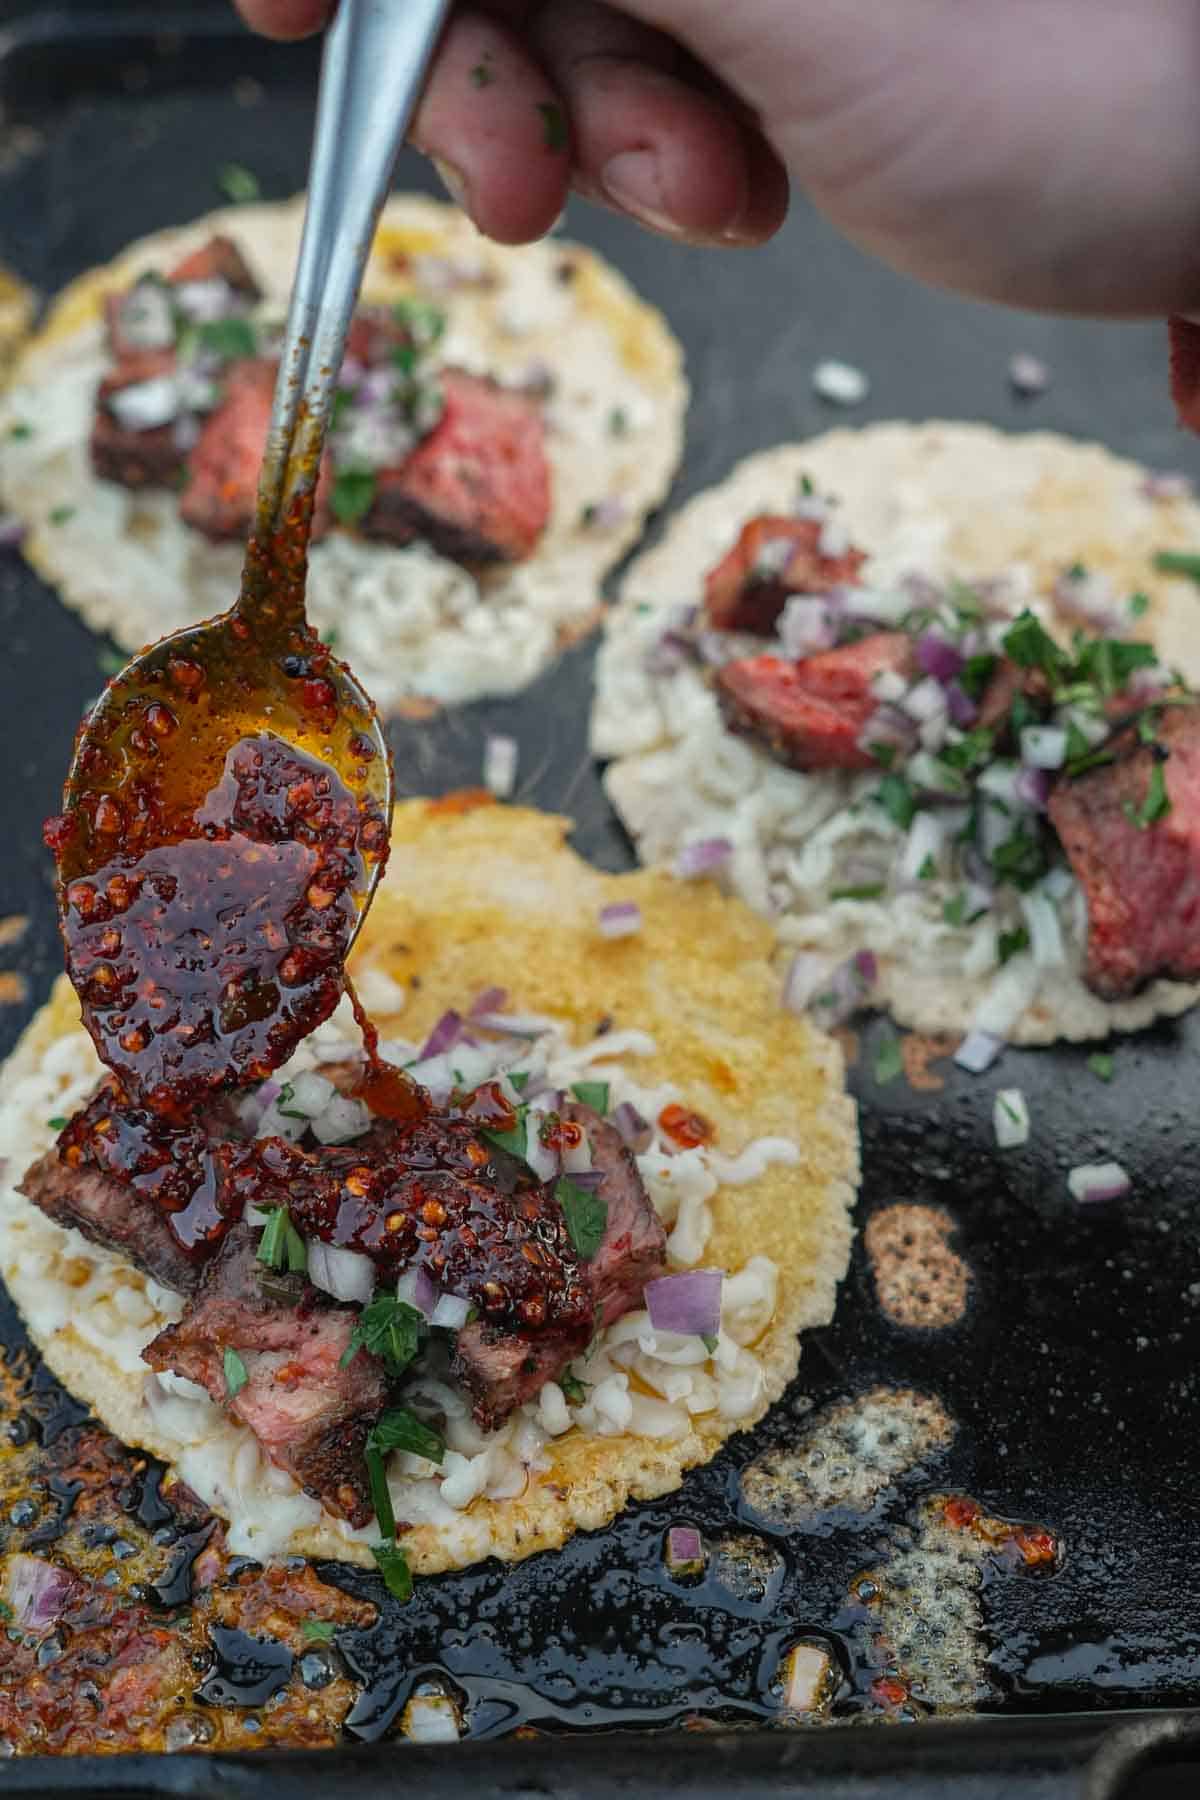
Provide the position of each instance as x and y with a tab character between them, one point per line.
774	557
116	1217
812	714
1141	882
310	1415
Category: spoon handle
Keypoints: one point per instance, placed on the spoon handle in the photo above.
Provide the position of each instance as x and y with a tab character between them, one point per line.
374	63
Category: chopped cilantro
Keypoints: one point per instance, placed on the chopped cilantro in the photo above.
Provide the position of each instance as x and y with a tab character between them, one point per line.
868	890
1155	806
709	1341
1107	663
898	800
1077	571
238	184
966	602
1148	724
393	1566
806	486
955	910
972	751
513	1141
281	1244
381	1498
226	338
60	514
353	495
343	400
235	1373
1021	859
618	422
483	75
388	1328
317	1631
1101	1065
1009	943
889	1058
1030	646
57	1123
1139	604
402	1430
518	1079
283	1102
1178	562
593	1094
586	1215
975	674
928	869
425	321
884	754
554	125
20	430
574	1390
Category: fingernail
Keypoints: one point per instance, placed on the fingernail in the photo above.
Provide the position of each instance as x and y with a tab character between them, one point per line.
633	181
453	182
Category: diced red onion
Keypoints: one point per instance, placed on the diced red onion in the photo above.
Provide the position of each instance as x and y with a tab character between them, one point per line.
959	704
938	657
204	302
1032	788
636	1132
577	1158
716	648
1099	1181
37	1592
343	1120
450	1313
444	1035
689	1303
669	654
925	701
834	540
839	382
590	1179
1045	932
1028	375
684	1550
805	626
607	514
934	777
1044	746
416	1288
543	1159
493	999
500	765
623	918
1167	485
887	728
806	974
346	1274
925	840
146	317
705	857
12	532
145	405
1145	684
841	993
269	1090
979	898
1088	598
978	1051
866	966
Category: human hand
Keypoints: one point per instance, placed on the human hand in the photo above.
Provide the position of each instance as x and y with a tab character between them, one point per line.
1043	153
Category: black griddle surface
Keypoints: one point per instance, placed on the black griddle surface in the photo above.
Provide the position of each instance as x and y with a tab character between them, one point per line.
1071	1380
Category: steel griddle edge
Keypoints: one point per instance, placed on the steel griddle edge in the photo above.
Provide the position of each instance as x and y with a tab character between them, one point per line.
1071	1378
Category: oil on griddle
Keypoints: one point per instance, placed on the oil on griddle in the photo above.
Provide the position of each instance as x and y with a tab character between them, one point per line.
981	1493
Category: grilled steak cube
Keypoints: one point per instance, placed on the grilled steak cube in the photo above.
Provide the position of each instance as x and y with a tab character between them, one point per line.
1007	681
501	1369
812	714
310	1415
477	488
113	1215
223	468
1141	881
773	558
218	260
122	452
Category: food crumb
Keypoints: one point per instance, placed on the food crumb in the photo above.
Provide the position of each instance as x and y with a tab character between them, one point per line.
840	383
1028	375
14	989
13	929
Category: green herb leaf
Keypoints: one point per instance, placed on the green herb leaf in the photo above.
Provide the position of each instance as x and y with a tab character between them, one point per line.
1109	662
975	674
927	870
1021	859
1101	1065
884	754
1008	943
343	400
897	799
806	486
20	431
56	1123
554	125
1139	604
869	890
283	1103
235	1373
281	1245
513	1141
60	514
317	1631
618	422
390	1329
709	1341
518	1079
381	1498
238	184
425	322
399	1429
972	751
393	1566
955	910
482	75
593	1094
1178	562
574	1390
1155	806
226	338
966	602
1031	647
586	1215
889	1059
353	495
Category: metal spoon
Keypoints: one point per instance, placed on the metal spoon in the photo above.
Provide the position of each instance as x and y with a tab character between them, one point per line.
156	741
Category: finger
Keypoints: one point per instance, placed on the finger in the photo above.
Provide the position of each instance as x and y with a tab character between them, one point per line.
496	128
285	18
647	138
